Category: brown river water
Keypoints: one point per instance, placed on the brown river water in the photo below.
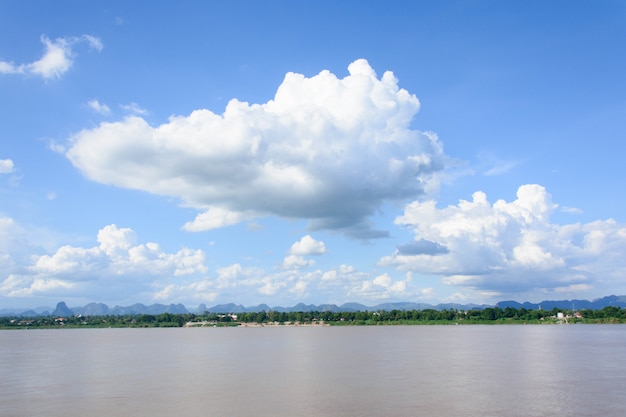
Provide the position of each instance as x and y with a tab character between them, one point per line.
438	371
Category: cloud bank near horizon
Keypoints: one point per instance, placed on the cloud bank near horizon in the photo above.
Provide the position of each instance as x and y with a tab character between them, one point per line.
510	247
481	250
325	149
145	272
94	272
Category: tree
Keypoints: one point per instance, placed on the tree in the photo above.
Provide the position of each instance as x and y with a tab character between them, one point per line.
145	318
491	313
260	317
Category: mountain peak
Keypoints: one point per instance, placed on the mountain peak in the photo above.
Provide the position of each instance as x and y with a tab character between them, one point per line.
62	310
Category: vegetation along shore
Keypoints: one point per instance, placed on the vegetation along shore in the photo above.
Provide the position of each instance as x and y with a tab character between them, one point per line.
493	315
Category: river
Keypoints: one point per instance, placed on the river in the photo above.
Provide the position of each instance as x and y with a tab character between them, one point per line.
438	371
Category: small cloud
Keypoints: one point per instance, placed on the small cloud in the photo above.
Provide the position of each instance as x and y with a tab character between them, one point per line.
51	195
426	292
307	246
300	288
382	287
574	288
56	60
571	210
502	168
343	272
456	297
98	107
490	294
56	147
297	262
493	165
94	43
6	166
214	218
135	109
9	68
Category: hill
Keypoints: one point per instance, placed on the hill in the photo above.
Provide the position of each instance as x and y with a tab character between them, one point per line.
100	309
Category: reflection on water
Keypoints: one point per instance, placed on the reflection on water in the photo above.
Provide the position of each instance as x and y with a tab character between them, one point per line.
570	370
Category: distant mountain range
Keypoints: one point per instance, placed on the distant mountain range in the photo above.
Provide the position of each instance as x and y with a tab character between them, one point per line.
597	304
99	309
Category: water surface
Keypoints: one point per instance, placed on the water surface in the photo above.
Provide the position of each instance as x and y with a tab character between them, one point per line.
522	370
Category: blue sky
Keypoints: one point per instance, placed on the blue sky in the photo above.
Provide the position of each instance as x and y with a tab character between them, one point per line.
318	152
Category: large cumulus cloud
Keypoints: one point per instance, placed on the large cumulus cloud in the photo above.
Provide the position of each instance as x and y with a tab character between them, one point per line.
512	247
327	149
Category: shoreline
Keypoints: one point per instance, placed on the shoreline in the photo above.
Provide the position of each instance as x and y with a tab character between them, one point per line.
253	324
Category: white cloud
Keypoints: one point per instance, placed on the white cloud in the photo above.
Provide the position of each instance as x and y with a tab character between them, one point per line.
8	230
8	68
571	210
382	287
199	291
26	286
93	271
300	288
492	165
250	286
296	261
94	42
120	264
336	274
216	217
505	248
16	245
70	260
326	149
98	107
56	147
227	277
134	108
6	166
16	252
426	292
271	286
307	246
56	60
457	297
500	168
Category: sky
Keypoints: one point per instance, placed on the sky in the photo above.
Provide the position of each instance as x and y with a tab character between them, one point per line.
283	152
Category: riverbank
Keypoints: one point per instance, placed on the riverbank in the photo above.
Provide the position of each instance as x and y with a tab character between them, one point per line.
253	324
490	316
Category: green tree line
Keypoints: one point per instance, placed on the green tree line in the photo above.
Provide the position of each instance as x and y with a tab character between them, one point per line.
492	315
